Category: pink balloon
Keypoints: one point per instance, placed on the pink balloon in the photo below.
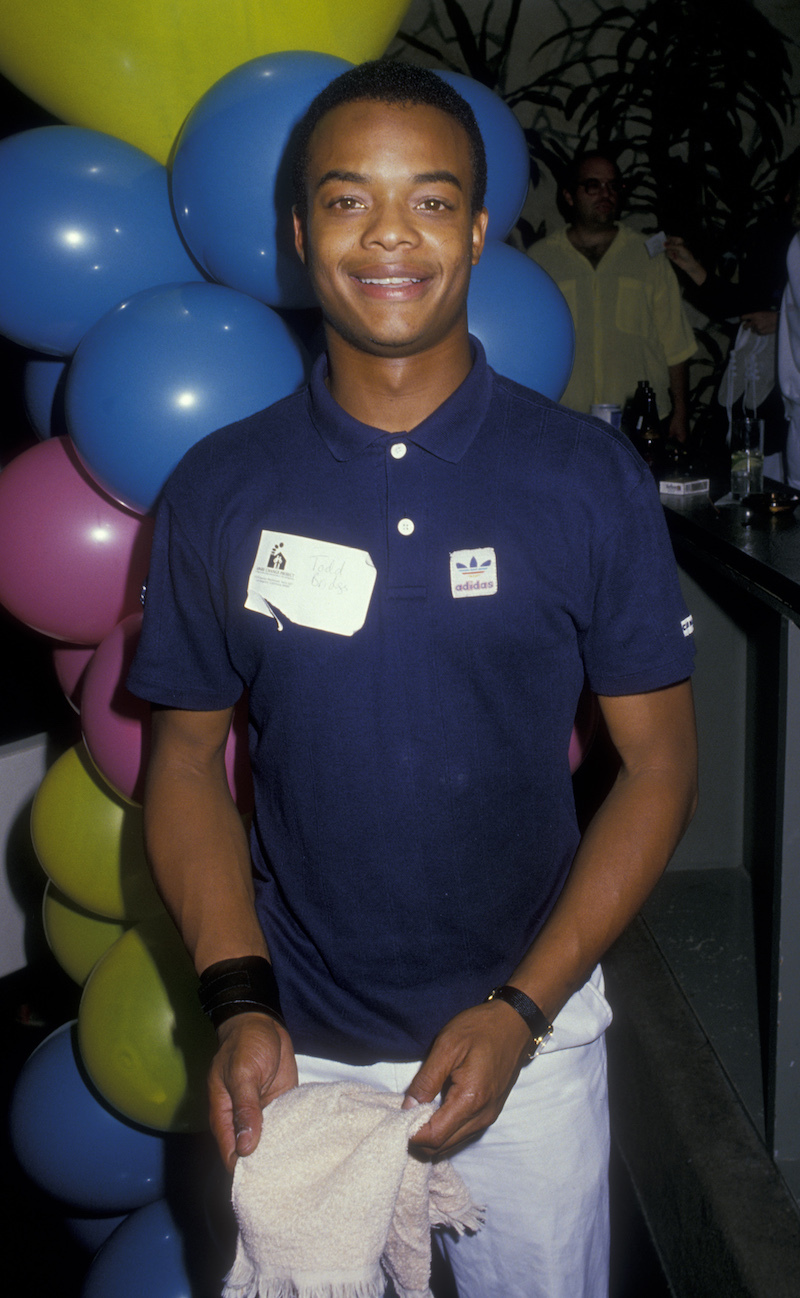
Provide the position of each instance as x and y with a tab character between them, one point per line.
116	724
584	729
70	662
72	562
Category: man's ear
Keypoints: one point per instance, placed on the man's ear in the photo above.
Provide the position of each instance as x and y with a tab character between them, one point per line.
479	223
567	197
299	235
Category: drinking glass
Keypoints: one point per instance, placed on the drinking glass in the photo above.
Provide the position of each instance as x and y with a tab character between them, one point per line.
747	456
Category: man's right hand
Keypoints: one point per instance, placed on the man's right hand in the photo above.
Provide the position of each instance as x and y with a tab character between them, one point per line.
682	256
254	1064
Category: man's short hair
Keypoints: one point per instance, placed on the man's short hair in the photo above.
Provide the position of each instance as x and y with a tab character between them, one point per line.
385	82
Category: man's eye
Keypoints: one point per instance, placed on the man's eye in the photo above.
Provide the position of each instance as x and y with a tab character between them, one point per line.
433	205
347	204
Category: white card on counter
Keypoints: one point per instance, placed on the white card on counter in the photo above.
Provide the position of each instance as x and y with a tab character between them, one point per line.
314	583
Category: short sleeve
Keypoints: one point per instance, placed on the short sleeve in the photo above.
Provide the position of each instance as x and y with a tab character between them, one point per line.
182	659
640	636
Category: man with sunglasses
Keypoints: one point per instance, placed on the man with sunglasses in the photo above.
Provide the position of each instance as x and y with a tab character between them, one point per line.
625	304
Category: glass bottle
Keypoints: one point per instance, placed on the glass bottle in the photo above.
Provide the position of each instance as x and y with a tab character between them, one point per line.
647	438
635	407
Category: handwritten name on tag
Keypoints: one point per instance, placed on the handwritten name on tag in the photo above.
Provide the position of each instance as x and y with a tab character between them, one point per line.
313	583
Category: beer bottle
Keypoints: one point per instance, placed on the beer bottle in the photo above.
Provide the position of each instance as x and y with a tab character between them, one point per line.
648	439
634	409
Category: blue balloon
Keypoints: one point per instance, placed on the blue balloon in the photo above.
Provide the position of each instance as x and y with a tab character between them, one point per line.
43	383
166	368
71	1145
231	174
507	160
92	1232
155	1255
143	1256
521	317
85	220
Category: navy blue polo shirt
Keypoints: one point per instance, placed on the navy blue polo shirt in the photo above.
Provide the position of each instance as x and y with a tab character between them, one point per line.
414	817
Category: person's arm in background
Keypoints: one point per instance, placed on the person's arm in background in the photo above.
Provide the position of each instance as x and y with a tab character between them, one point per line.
682	256
200	858
760	322
476	1058
679	391
717	299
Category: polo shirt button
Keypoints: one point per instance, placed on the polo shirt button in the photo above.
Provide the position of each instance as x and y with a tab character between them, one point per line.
405	527
398	450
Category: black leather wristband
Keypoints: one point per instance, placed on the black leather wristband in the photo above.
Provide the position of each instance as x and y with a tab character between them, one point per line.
536	1020
246	985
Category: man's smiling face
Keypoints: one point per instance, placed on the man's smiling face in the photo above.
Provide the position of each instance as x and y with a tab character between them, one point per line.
390	237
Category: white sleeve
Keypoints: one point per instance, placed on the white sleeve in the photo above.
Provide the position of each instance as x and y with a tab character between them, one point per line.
789	327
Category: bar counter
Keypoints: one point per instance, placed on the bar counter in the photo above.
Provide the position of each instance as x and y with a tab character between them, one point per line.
726	916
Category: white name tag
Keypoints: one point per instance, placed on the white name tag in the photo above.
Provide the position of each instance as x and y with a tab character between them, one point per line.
314	583
473	572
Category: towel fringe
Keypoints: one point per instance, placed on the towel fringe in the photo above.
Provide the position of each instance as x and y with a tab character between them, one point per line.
288	1289
466	1219
244	1282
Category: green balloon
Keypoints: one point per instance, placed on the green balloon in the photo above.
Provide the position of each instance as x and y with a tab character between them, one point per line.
146	1043
90	842
76	937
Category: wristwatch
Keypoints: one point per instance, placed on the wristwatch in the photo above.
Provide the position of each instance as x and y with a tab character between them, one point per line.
537	1021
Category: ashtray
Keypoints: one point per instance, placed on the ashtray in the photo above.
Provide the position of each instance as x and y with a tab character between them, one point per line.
781	501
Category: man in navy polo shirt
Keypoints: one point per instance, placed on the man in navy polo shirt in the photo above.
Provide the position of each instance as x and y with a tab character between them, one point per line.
412	565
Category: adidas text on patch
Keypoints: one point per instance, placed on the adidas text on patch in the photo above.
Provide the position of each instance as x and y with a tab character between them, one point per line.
473	572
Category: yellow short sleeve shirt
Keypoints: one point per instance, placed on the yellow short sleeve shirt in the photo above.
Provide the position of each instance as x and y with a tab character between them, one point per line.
629	319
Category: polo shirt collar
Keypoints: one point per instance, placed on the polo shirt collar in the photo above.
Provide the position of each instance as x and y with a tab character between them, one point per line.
446	433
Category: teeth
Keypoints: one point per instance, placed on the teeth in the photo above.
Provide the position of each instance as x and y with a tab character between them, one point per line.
391	282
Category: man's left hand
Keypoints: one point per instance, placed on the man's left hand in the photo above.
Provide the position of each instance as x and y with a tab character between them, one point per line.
473	1064
762	323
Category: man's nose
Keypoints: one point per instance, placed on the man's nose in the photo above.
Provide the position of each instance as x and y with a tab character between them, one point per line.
391	224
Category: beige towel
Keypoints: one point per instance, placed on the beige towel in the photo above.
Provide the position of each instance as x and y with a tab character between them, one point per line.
331	1198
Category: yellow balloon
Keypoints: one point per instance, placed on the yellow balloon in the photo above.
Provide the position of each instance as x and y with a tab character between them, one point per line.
134	68
77	938
146	1043
90	842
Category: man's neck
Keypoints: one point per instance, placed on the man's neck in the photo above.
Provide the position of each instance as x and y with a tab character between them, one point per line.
592	243
395	393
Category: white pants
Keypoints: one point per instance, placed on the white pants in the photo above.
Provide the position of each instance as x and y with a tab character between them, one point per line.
540	1171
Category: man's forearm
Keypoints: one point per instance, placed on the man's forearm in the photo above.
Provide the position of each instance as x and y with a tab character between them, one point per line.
197	846
200	858
618	864
622	855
